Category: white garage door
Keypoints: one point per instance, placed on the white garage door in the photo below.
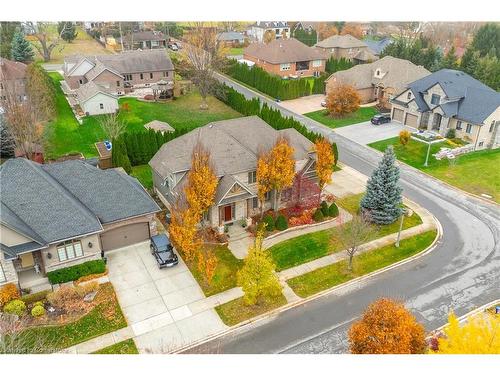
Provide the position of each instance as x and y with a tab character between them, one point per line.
125	236
397	115
411	120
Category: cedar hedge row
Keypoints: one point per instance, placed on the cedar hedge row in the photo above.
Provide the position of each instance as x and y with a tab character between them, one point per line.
73	273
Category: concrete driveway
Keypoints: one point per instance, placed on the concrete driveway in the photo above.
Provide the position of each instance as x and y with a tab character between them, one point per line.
305	104
365	132
165	308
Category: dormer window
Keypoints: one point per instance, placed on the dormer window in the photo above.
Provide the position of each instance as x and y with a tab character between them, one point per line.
435	99
409	95
377	73
252	177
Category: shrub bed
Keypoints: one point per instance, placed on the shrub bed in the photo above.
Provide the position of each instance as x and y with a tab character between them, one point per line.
73	273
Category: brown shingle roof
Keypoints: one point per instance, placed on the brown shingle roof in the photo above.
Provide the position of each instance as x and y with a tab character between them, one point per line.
341	41
10	70
281	51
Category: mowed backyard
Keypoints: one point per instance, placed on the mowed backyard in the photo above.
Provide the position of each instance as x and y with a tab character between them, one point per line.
65	135
475	172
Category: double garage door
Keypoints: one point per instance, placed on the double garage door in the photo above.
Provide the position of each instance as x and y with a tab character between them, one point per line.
409	119
125	235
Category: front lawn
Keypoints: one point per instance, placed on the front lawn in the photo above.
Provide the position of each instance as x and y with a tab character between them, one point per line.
476	172
122	347
144	175
335	274
236	51
236	311
361	115
64	134
305	248
106	317
225	273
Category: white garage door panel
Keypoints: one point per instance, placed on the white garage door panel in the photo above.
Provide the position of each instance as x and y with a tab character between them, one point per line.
397	115
411	120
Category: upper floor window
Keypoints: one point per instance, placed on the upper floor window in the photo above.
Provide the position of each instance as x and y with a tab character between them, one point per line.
252	177
142	76
492	126
128	77
101	106
409	95
435	99
459	125
284	67
80	81
468	129
165	74
1	85
118	83
69	250
2	274
151	75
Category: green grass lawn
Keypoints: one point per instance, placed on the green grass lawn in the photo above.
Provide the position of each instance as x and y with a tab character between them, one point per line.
235	311
476	172
143	174
307	247
361	115
337	273
236	51
123	347
65	134
106	317
225	273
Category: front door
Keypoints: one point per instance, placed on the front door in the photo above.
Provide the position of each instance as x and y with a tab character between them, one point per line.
228	213
436	121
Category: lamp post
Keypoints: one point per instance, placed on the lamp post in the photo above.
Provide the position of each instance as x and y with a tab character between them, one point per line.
406	212
427	156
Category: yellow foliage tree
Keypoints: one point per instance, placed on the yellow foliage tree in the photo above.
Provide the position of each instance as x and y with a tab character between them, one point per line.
263	181
326	30
387	327
352	29
257	277
201	181
182	231
341	100
404	137
324	162
269	36
479	335
281	168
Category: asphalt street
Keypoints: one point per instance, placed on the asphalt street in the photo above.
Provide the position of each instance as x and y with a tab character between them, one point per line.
460	274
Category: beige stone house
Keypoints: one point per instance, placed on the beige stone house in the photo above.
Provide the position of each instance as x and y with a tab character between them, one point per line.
12	79
347	47
257	30
380	80
451	99
61	214
287	58
234	146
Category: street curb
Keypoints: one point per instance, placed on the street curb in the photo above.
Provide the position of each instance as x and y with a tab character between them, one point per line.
313	297
472	195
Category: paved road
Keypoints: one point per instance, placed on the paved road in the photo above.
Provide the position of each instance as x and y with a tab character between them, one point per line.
461	273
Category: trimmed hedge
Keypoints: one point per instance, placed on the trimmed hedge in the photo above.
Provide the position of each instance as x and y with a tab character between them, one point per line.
269	221
35	297
73	273
281	223
333	210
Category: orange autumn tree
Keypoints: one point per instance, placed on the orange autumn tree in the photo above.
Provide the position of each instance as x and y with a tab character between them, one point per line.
281	168
342	100
352	29
183	232
263	182
324	161
387	327
326	30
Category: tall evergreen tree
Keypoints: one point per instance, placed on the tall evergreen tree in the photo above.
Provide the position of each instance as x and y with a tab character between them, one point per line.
469	61
7	31
450	60
21	49
487	36
69	34
382	201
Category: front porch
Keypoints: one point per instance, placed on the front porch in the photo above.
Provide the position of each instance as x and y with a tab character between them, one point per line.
31	272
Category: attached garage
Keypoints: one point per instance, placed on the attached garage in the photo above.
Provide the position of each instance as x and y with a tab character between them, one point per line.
125	235
411	120
397	115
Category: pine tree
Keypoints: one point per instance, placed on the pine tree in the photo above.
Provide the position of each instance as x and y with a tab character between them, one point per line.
21	49
69	34
382	201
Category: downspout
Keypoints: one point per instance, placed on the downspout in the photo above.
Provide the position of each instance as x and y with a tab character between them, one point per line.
477	137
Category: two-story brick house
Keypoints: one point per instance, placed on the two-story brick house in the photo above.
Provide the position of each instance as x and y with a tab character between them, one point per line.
12	79
234	146
347	47
287	58
451	99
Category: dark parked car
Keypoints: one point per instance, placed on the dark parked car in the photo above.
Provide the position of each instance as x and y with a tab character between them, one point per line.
163	251
381	118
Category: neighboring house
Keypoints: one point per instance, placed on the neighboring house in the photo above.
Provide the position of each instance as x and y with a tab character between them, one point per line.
94	99
61	214
286	58
451	99
306	26
234	149
348	47
143	40
380	80
378	46
259	28
231	38
12	79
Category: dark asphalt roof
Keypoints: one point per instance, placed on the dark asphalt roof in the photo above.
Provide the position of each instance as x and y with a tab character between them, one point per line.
12	252
377	46
470	100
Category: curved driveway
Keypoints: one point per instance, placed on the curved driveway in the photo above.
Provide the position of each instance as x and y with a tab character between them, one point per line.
461	273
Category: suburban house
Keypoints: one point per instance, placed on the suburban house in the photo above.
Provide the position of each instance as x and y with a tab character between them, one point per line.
61	214
451	99
231	38
286	58
92	83
281	30
347	47
377	46
379	80
234	146
143	40
12	79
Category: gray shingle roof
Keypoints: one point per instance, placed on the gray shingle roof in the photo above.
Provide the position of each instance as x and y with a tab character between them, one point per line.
138	61
90	89
470	99
230	36
12	252
341	41
57	201
377	46
281	51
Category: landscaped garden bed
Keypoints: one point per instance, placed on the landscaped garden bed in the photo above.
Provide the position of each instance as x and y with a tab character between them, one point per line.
236	311
335	274
122	347
361	115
